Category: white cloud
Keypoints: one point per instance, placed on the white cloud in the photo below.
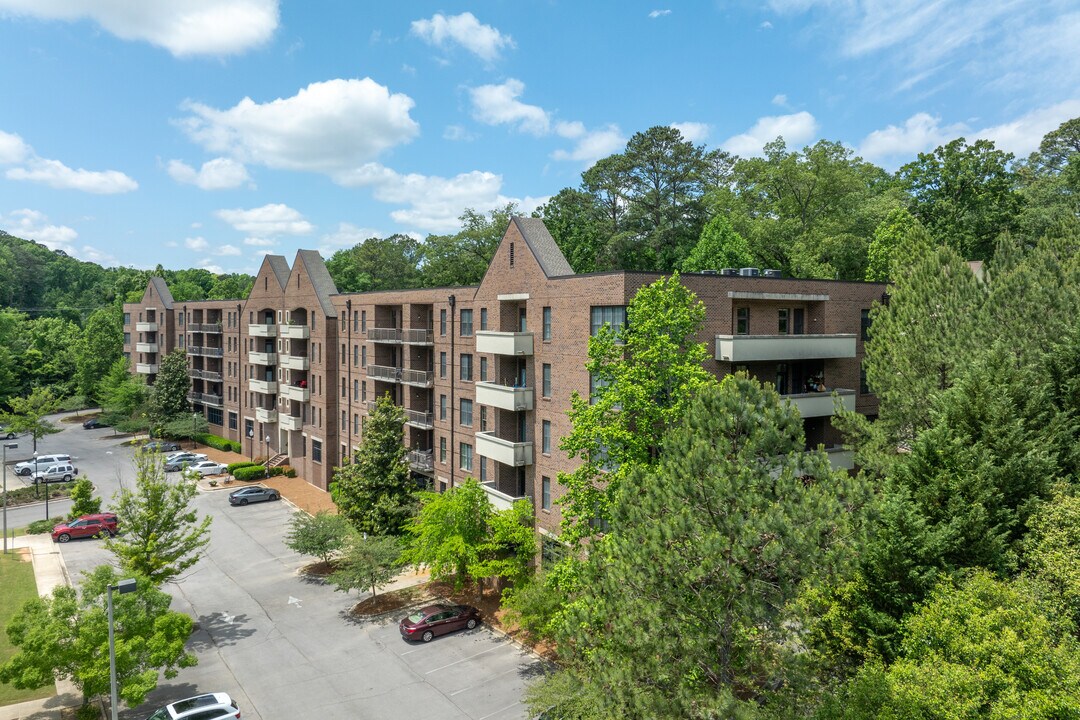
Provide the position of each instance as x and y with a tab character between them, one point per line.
34	225
457	133
227	250
58	175
659	13
796	129
198	244
259	242
465	30
1023	135
780	100
183	27
593	146
499	105
326	127
920	133
217	174
766	25
12	149
695	132
209	265
268	220
346	235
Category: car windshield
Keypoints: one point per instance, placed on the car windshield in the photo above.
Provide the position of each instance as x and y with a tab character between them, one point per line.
416	617
161	714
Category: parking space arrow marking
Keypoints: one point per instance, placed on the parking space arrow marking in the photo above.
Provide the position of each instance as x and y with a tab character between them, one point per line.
294	601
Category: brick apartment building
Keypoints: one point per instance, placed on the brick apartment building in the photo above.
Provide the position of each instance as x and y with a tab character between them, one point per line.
484	373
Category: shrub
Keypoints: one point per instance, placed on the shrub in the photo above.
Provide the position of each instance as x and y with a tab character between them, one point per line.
232	467
286	470
40	526
321	535
218	443
252	472
82	495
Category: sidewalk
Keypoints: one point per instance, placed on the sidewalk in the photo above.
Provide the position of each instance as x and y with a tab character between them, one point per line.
49	572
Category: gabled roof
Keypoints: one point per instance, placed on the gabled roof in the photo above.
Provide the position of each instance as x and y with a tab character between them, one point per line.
280	266
320	279
162	290
543	246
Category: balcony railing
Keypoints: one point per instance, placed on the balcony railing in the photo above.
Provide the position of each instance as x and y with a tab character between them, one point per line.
146	368
266	330
204	375
418	337
498	499
146	347
384	335
205	398
820	404
504	397
262	358
422	420
295	392
504	343
422	460
266	415
384	372
295	332
146	327
205	327
295	362
266	387
514	454
419	378
205	351
769	348
290	422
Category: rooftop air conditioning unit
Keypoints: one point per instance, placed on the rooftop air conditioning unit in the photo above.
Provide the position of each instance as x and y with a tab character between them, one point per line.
729	272
749	272
773	273
710	272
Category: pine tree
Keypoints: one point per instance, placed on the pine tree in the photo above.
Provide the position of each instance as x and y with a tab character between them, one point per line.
169	393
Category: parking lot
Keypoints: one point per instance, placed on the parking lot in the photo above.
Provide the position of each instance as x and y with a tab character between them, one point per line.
284	647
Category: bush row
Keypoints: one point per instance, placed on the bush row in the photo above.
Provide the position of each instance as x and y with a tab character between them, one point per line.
258	472
232	467
218	442
24	495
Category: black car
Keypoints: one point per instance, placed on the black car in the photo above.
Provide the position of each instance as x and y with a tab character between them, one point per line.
427	622
93	423
161	446
255	493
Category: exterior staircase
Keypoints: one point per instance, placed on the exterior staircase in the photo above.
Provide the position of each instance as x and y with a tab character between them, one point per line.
279	459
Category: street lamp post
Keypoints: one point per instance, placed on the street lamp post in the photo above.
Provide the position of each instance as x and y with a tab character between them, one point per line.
267	473
251	444
6	446
194	428
38	482
122	587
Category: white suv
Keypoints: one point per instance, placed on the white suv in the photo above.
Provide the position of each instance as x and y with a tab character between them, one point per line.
26	467
60	472
212	706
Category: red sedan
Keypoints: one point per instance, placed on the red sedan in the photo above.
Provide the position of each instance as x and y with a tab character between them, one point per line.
427	622
98	525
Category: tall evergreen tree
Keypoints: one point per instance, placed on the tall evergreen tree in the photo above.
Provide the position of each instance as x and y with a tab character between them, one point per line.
169	393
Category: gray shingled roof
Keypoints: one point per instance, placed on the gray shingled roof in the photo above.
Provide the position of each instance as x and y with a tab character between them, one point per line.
320	279
163	292
280	266
543	246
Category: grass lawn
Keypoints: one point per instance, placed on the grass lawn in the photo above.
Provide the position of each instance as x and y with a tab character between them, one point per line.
17	579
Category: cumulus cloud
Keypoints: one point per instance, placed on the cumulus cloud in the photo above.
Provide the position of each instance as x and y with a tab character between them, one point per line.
259	242
659	13
695	132
216	174
499	105
465	30
210	266
198	244
34	225
326	127
227	250
12	149
796	129
593	145
346	235
457	133
1023	135
780	100
183	27
765	25
267	221
919	133
58	175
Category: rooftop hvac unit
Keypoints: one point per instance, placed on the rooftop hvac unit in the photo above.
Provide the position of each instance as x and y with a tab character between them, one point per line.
773	273
749	272
729	272
710	272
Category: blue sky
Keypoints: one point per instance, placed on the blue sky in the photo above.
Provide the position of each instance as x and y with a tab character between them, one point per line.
205	133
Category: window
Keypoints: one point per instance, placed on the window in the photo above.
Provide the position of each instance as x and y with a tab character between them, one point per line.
363	391
355	321
355	390
483	368
742	321
214	416
316	451
363	356
442	449
596	384
782	321
342	353
511	254
465	453
546	387
356	423
545	441
127	338
465	412
466	323
442	322
547	324
483	418
483	318
127	318
342	321
613	315
545	492
442	364
865	329
363	321
483	469
233	422
442	407
356	355
344	393
466	367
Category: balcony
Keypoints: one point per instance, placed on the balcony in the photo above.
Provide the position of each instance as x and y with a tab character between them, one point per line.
422	420
504	343
290	422
266	387
204	375
418	337
146	347
214	328
295	362
820	404
266	415
418	378
295	332
146	368
384	372
422	460
146	327
262	358
514	454
293	392
269	330
768	348
500	500
384	335
504	397
205	398
205	351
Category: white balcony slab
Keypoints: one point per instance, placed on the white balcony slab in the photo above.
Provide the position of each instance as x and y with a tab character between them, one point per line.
146	326
821	404
292	392
514	454
146	347
265	415
262	358
295	362
289	422
504	397
504	343
768	348
295	332
146	368
263	330
266	387
499	500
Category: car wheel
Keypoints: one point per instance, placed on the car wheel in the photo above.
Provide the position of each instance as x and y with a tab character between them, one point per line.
275	496
11	436
471	624
67	478
63	537
243	501
24	472
427	636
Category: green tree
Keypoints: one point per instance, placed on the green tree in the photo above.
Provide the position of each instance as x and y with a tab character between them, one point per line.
231	286
28	414
188	427
321	535
719	247
13	334
123	394
686	607
1052	550
66	636
50	356
576	222
377	264
645	375
163	535
511	545
889	237
450	533
463	258
101	345
83	501
368	563
376	491
169	393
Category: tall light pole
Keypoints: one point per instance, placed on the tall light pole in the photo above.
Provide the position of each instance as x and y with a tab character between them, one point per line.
194	428
267	473
6	446
251	443
122	587
38	482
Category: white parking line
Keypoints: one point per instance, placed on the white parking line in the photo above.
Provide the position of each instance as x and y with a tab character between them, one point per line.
490	678
482	652
500	710
408	652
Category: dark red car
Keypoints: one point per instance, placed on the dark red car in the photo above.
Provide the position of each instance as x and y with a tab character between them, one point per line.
427	622
100	524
